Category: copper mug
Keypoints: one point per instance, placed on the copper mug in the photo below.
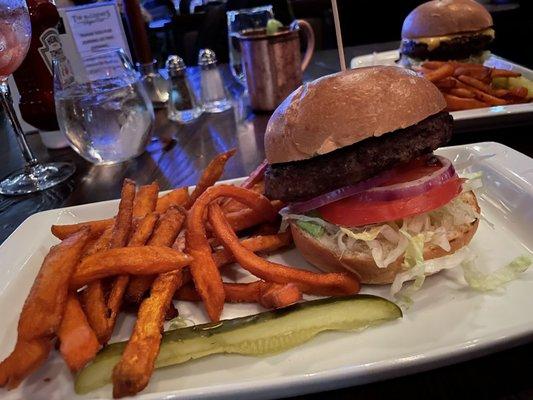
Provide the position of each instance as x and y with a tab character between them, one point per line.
272	63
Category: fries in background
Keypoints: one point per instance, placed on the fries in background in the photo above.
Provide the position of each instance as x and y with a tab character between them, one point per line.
468	86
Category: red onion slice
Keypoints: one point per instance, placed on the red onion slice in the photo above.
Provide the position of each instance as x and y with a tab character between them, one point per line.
412	188
255	176
341	193
369	190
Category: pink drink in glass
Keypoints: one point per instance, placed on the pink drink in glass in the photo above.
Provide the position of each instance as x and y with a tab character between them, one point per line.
15	34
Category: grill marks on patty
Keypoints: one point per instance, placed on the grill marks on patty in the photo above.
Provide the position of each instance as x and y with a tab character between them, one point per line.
302	180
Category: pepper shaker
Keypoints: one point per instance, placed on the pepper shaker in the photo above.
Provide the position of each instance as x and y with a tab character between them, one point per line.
182	105
214	97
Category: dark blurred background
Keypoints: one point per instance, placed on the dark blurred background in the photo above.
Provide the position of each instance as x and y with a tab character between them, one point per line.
184	26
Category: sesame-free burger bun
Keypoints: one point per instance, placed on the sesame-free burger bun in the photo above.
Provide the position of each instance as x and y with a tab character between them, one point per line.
446	17
345	108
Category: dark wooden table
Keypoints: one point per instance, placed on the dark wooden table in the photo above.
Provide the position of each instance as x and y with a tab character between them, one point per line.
179	153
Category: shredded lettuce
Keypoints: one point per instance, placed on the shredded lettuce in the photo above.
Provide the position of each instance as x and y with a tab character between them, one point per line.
484	282
312	228
406	238
366	235
414	253
427	267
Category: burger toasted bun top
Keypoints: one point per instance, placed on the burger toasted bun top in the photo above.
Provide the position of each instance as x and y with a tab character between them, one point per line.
344	108
331	259
446	17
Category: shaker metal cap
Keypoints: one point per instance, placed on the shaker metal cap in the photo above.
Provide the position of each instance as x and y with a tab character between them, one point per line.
206	57
175	64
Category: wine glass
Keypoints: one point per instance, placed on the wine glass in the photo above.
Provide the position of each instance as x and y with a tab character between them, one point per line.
15	35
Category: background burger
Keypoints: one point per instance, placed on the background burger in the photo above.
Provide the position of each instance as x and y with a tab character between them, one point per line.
351	154
446	30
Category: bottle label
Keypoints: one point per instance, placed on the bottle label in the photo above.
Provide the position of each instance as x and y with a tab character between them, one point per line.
51	49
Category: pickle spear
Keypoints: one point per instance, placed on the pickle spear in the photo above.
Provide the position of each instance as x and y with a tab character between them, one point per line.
269	332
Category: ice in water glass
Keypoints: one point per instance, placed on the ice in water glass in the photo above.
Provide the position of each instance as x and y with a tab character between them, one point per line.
104	110
238	21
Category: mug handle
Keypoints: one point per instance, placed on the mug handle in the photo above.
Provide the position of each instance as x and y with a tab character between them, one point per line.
310	39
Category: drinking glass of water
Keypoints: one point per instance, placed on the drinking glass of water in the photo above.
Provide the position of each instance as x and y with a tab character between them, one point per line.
242	20
103	108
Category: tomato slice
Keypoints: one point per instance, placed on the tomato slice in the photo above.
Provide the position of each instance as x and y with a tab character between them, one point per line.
414	169
353	212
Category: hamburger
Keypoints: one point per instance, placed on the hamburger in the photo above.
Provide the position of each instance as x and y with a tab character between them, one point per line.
351	154
446	30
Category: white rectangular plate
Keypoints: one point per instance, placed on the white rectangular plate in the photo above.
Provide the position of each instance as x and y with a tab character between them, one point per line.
448	322
390	57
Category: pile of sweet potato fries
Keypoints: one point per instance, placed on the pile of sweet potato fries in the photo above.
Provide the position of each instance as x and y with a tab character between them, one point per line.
154	250
468	86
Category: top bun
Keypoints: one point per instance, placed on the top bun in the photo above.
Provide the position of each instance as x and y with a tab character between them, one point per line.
344	108
446	17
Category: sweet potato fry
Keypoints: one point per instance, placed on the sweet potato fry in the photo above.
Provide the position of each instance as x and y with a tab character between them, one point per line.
440	73
462	92
25	358
455	103
503	73
475	83
179	243
203	268
94	296
78	342
232	205
481	74
146	260
235	292
143	230
139	237
268	295
177	197
278	296
519	92
446	83
165	234
44	306
248	218
168	227
307	282
211	174
101	243
94	304
97	228
43	310
489	99
145	200
132	373
123	221
256	244
433	64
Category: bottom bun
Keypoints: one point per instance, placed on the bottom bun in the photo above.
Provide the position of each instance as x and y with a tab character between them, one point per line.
330	259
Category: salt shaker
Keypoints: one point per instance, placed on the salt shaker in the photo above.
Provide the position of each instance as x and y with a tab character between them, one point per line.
182	105
214	98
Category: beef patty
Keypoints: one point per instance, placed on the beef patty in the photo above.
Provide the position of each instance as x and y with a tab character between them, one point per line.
458	48
302	180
